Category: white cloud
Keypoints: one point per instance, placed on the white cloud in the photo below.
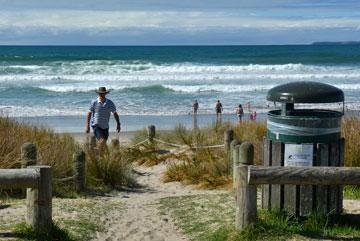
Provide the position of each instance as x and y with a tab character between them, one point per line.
192	21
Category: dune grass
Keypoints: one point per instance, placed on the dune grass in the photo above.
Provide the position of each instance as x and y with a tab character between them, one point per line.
210	168
112	168
205	167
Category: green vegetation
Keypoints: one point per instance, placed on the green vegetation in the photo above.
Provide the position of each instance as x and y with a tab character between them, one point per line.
112	168
205	167
26	232
211	218
74	219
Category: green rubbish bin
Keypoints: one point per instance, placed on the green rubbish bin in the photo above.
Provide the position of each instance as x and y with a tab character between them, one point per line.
303	137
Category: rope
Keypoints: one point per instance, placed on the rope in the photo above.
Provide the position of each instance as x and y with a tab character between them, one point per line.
213	146
168	143
65	179
141	142
194	147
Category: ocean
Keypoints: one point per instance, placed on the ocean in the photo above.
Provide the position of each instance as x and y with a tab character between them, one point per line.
50	81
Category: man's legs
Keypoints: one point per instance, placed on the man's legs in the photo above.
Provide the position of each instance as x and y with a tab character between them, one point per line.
101	136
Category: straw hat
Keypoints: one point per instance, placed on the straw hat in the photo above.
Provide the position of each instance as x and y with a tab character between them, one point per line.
102	90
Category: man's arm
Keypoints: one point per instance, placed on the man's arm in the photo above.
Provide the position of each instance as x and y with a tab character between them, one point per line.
88	117
117	119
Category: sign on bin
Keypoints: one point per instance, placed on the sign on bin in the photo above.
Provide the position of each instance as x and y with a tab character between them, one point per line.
297	155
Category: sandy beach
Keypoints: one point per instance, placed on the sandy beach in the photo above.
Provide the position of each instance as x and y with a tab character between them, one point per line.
131	123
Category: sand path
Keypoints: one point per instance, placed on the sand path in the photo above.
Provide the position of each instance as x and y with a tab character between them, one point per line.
142	219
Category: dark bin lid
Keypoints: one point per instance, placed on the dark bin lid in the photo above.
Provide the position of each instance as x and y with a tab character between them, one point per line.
305	92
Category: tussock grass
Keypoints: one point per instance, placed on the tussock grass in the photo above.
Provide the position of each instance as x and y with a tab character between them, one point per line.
208	167
111	167
53	149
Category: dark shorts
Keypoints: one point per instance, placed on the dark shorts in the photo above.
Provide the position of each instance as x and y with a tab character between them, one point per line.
218	111
101	133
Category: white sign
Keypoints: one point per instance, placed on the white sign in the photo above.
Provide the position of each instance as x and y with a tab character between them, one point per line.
298	155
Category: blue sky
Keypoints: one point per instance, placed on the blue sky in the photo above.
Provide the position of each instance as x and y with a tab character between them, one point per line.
177	22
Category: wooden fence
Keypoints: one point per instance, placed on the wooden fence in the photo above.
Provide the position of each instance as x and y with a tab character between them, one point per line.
38	181
247	176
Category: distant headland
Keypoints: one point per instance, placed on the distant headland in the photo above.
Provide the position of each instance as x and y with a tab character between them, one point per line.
337	43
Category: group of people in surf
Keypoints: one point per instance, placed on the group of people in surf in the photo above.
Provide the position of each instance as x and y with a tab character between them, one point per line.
239	110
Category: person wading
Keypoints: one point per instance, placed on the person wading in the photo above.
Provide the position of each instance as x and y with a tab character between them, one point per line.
99	116
218	109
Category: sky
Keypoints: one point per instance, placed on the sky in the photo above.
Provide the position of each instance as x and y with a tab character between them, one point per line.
177	22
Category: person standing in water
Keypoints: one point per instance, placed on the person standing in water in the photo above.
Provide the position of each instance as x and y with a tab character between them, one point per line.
195	107
239	112
218	109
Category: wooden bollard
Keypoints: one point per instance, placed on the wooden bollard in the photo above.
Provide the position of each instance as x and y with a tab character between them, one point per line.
39	200
115	143
235	145
233	154
28	154
151	133
92	143
80	175
245	211
228	138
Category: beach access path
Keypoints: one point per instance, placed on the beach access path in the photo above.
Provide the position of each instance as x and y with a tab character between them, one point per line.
142	219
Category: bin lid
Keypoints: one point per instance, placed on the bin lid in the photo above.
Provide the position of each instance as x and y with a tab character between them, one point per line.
305	92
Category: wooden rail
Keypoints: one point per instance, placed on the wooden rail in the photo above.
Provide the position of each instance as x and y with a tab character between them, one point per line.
304	175
24	178
38	181
248	176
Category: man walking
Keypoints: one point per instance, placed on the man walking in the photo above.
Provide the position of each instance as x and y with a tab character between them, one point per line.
99	114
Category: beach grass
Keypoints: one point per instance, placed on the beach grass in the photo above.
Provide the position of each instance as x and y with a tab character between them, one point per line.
113	168
211	218
205	167
210	168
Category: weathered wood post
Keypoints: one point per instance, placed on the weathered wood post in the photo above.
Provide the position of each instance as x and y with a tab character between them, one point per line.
228	138
246	209
115	143
39	199
80	175
151	134
92	143
234	156
28	154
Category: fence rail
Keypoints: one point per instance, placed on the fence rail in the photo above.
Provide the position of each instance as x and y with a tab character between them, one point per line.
37	180
304	175
247	176
19	178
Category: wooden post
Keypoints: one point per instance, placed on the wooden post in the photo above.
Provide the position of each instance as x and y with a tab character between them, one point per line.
246	209
80	175
234	158
92	142
151	134
115	143
38	200
228	138
28	154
